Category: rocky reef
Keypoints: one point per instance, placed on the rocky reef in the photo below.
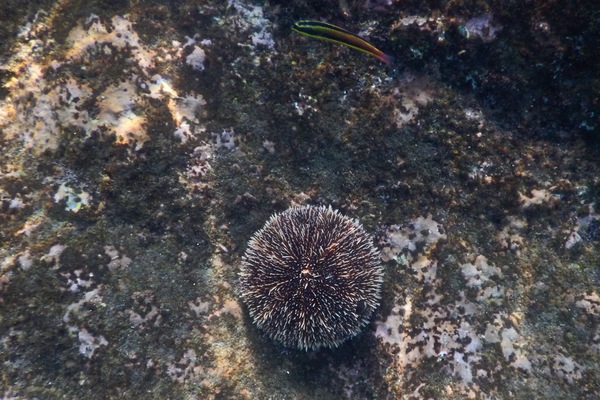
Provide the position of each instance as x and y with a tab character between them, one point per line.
142	144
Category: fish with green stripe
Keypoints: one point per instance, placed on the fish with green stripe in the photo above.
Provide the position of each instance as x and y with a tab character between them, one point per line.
326	31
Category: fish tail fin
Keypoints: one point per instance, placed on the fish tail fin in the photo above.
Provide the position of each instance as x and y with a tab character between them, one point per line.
386	58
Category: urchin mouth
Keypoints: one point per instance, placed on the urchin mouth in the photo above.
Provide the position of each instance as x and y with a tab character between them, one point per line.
308	273
307	278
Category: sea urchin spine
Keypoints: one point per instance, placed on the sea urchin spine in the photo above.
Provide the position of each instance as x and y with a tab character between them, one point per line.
311	277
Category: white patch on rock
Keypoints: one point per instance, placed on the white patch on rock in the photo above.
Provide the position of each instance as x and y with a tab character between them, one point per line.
479	272
400	240
196	59
537	197
89	343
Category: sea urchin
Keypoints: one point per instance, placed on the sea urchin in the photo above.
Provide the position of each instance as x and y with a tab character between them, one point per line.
311	277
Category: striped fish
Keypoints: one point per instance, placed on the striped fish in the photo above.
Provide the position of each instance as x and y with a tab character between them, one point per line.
323	30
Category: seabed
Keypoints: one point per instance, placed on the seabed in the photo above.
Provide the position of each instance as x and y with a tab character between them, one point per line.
143	143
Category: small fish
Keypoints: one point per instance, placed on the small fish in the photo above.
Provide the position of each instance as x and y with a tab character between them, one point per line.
323	30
